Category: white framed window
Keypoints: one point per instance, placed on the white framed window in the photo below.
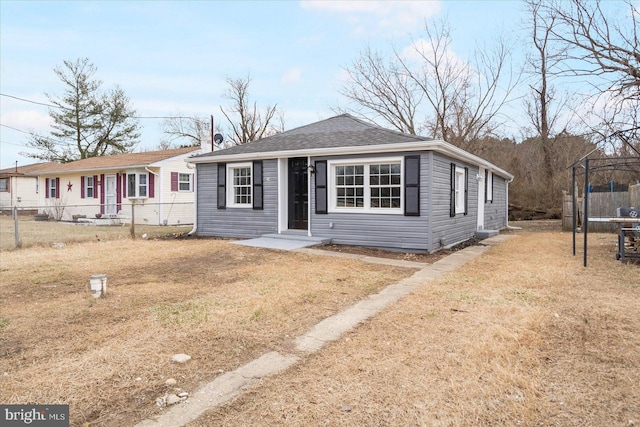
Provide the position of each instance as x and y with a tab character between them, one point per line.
4	184
366	185
460	182
137	185
240	185
52	190
185	182
89	186
349	186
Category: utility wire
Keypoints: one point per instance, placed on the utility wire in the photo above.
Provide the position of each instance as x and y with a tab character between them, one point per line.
30	101
43	137
11	143
65	108
16	129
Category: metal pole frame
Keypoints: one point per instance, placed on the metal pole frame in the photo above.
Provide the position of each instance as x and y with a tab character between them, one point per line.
15	227
574	221
585	216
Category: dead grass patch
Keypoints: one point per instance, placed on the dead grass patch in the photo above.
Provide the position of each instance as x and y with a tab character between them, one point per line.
45	233
523	335
109	358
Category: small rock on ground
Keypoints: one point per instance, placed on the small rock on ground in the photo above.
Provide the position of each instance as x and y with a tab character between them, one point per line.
181	358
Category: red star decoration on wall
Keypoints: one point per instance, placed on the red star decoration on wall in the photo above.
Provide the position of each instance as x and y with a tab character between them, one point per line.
69	185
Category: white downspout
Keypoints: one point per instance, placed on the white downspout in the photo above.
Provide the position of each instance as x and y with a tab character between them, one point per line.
195	200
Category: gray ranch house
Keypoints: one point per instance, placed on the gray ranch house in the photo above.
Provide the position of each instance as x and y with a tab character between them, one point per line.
354	183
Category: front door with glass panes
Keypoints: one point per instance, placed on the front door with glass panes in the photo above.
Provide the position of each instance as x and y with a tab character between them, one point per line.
110	195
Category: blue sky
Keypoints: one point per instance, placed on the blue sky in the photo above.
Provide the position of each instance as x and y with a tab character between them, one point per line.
169	56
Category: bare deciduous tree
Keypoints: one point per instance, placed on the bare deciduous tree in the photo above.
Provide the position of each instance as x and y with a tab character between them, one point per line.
464	96
544	106
426	87
380	86
191	131
245	119
599	44
603	47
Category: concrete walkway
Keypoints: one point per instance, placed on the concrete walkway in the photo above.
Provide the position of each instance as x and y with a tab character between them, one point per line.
232	384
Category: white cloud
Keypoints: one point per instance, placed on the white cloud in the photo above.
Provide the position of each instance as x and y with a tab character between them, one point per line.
294	75
27	120
376	17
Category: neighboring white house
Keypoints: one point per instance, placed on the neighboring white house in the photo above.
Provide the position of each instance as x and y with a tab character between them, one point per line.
19	187
159	183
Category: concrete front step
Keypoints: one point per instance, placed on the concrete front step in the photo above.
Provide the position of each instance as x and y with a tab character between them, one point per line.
299	236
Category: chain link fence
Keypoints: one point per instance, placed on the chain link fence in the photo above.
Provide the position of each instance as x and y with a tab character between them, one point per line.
27	226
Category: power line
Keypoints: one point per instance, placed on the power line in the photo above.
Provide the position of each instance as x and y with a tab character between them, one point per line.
11	143
59	142
29	101
65	108
16	129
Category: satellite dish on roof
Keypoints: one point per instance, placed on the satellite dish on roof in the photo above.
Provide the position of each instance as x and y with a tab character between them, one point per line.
217	138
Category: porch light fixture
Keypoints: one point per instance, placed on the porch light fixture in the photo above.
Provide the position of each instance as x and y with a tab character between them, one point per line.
312	169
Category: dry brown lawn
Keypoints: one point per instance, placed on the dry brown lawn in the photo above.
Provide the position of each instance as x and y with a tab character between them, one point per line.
45	233
109	358
522	336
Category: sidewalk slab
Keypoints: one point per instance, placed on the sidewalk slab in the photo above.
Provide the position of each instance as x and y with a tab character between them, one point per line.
365	258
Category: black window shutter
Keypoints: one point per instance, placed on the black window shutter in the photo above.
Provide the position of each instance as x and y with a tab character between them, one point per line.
222	185
452	197
257	185
412	185
466	190
486	185
174	181
321	187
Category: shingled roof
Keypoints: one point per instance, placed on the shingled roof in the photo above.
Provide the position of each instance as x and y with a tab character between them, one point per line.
340	135
129	160
24	170
339	131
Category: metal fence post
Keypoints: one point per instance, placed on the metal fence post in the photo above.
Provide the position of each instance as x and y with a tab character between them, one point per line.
133	219
15	226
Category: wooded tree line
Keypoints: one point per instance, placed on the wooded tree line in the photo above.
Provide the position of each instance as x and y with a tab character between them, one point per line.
581	75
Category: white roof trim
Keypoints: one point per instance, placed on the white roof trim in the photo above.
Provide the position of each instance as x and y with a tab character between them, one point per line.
431	145
156	164
77	171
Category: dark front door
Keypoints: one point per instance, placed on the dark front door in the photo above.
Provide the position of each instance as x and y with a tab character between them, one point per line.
298	193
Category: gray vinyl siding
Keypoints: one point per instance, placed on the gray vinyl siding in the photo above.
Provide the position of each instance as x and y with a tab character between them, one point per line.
495	214
235	222
389	231
447	230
